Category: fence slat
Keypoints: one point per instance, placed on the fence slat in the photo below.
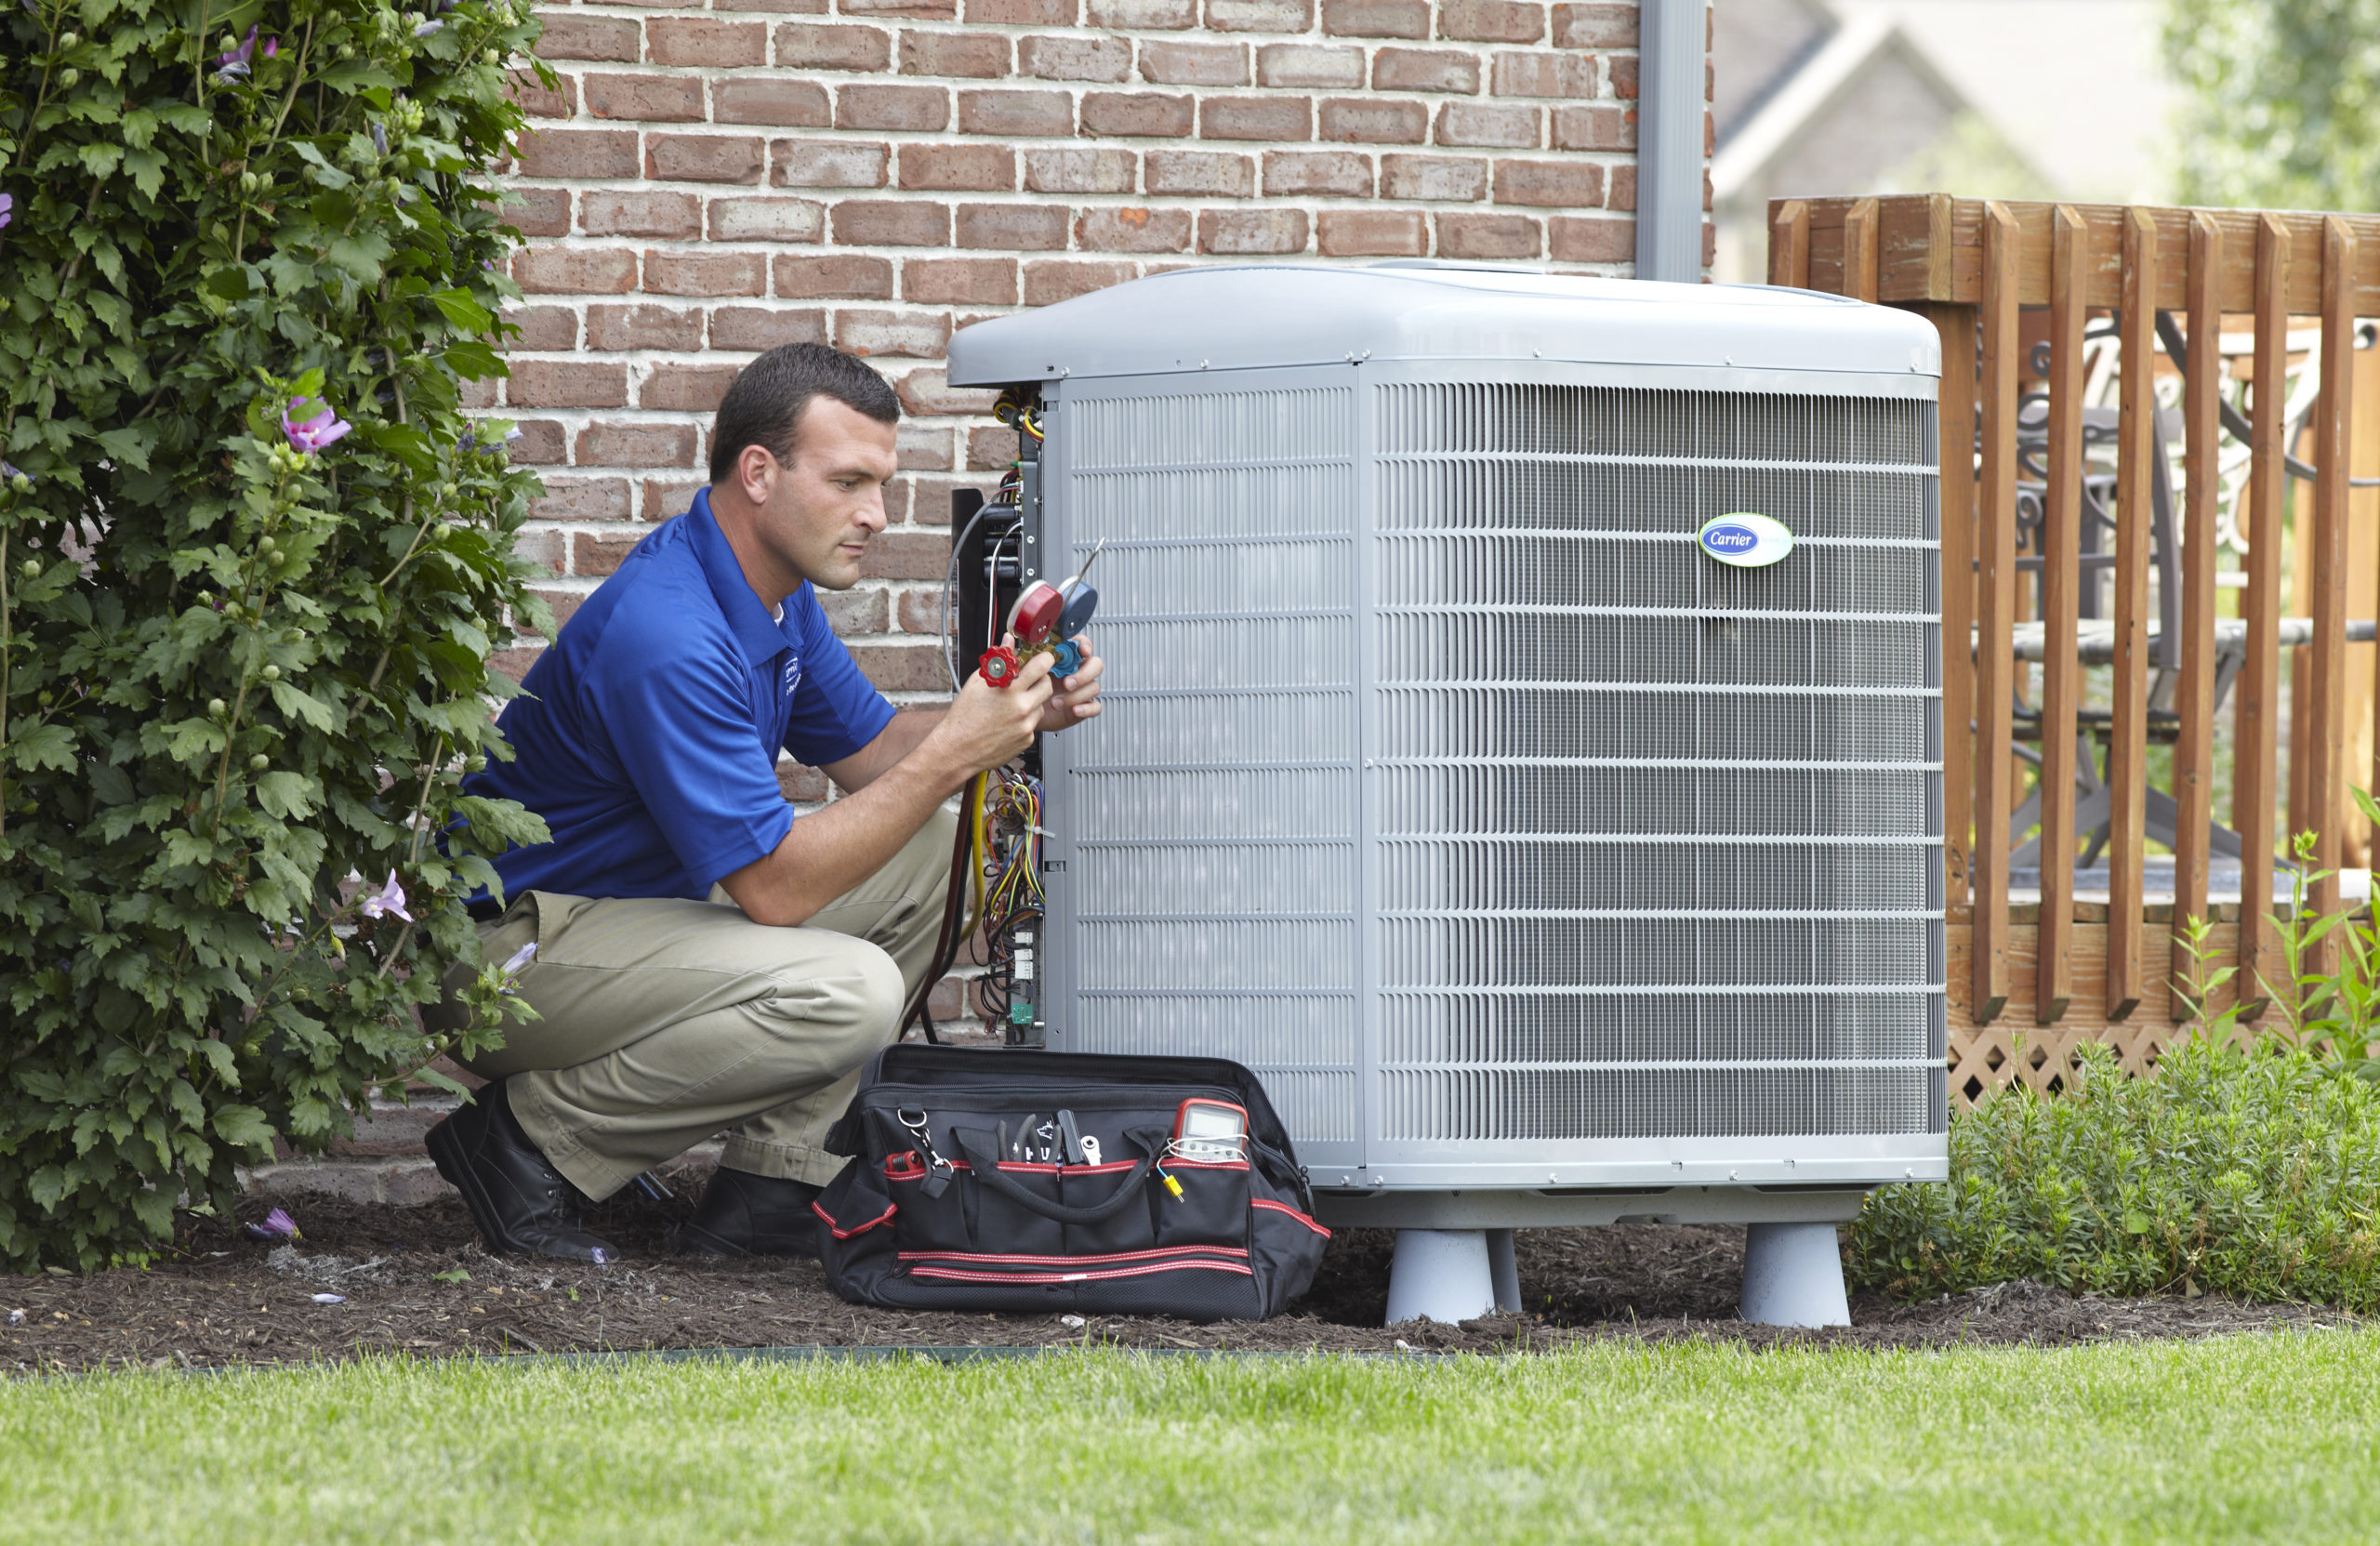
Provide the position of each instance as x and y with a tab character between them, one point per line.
1955	326
1789	245
2194	747
2128	734
2061	574
2256	791
1860	228
1995	685
2326	704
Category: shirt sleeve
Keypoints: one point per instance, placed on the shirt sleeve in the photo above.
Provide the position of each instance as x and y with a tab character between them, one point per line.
836	710
684	732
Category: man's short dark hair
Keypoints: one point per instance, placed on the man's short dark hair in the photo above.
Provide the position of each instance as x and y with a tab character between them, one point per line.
768	396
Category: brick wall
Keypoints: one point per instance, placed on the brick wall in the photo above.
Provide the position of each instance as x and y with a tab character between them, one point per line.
701	185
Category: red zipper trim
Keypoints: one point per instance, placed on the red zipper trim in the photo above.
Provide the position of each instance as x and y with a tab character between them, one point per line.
1285	1208
958	1276
842	1234
1158	1253
1036	1166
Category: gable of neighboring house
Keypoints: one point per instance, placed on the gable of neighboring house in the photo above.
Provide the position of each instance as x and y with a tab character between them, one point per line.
2013	99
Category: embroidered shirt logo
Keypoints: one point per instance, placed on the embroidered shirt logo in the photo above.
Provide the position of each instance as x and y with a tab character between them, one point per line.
792	673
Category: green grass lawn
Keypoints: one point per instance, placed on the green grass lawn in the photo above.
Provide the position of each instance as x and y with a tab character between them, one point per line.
2245	1438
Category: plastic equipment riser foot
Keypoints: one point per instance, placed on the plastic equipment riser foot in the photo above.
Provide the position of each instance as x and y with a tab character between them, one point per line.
1441	1274
1504	1269
1794	1276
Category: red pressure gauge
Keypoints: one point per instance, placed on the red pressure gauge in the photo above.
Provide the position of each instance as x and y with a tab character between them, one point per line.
1036	615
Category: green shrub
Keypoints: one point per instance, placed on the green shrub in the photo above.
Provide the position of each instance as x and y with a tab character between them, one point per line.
2254	1173
238	678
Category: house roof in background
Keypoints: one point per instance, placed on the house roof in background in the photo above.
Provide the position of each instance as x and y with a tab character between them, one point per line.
2077	87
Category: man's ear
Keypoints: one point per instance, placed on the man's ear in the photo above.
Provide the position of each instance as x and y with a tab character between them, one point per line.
755	473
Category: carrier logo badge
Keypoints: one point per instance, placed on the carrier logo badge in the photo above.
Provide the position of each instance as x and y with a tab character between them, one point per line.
1744	539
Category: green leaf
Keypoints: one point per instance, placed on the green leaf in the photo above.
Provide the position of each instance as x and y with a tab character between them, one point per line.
430	1076
473	360
36	746
147	169
299	704
464	313
287	795
128	445
242	1127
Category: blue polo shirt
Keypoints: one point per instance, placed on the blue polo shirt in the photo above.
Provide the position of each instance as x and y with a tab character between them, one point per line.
649	733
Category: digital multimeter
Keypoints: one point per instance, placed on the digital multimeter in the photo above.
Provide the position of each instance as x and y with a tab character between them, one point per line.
1206	1128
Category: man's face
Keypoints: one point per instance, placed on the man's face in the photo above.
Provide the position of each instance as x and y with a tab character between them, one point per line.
818	514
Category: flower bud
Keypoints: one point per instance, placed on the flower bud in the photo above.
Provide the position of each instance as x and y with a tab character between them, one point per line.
491	57
68	76
250	182
67	40
259	762
276	559
347	50
271	673
220	231
217	708
227	44
33	568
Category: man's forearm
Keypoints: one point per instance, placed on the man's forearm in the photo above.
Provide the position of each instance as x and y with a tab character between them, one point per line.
829	852
907	732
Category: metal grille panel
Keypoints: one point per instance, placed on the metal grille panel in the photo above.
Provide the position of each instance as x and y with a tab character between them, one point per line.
1659	836
1438	754
1214	803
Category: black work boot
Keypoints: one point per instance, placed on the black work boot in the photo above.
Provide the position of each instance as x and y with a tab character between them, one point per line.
520	1202
742	1214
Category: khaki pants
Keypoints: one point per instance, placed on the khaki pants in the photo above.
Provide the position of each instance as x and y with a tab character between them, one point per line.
664	1021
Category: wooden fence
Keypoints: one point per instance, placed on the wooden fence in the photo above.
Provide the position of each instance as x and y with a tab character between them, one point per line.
1988	275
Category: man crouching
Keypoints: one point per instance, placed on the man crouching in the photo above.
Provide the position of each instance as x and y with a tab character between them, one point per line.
705	960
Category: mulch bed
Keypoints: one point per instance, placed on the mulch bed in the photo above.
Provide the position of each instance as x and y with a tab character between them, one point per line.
416	1281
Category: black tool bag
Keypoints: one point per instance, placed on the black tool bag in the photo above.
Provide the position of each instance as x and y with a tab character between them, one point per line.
968	1189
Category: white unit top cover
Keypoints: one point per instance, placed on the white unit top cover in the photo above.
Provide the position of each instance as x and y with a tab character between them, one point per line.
1255	316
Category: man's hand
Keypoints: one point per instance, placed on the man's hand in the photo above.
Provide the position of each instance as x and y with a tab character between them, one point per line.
986	726
1076	698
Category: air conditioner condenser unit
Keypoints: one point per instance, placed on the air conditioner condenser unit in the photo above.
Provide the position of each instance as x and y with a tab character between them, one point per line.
1522	743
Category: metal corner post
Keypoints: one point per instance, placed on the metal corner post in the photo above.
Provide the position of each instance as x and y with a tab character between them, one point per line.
1671	43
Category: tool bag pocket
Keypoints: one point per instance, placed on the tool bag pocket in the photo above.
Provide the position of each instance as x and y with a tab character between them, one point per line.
1045	1182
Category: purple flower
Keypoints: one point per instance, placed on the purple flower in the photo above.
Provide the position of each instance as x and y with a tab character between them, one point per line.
518	959
323	429
426	28
277	1226
234	65
271	46
7	209
389	898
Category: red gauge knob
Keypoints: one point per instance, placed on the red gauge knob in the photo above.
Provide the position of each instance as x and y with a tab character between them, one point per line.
998	666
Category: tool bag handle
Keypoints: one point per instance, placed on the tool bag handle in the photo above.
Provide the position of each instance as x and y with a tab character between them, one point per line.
983	1156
